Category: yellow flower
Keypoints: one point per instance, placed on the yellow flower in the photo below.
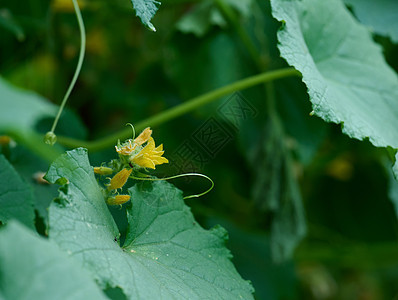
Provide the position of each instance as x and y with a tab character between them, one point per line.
118	199
126	149
149	156
119	180
129	146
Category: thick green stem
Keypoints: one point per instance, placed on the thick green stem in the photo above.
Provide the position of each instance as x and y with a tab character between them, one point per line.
79	63
181	109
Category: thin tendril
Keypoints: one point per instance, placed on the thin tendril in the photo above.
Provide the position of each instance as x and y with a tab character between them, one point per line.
132	127
182	175
79	63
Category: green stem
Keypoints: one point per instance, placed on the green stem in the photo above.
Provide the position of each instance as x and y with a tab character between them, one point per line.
79	63
181	109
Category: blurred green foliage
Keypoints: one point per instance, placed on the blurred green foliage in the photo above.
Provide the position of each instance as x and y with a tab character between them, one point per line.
131	73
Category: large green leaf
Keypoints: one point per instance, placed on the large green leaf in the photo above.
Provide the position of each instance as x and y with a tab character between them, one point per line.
16	198
20	110
167	255
29	166
347	78
380	15
34	268
146	9
23	114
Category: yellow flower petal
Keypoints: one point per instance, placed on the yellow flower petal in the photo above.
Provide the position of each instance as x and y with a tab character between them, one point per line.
143	162
150	146
120	179
159	148
149	156
160	160
143	137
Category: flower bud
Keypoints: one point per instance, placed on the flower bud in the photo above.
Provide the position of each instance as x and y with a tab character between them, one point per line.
50	138
118	199
103	170
120	179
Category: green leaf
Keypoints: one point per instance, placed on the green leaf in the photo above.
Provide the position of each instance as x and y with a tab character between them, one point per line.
205	14
16	199
20	111
381	15
275	190
24	114
198	20
23	109
167	255
34	268
346	75
28	165
146	9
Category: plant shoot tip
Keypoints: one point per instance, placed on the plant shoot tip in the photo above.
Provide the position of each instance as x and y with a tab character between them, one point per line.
50	138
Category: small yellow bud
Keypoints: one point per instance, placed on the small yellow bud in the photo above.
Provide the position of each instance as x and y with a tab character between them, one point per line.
118	199
103	170
119	179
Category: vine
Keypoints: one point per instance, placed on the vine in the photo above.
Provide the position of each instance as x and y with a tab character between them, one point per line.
50	137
